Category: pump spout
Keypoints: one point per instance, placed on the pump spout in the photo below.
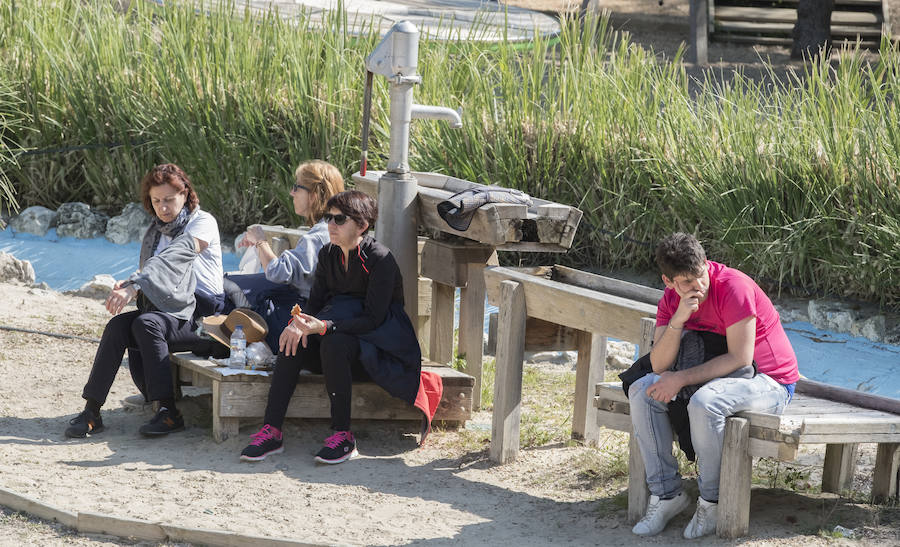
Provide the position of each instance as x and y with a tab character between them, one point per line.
437	113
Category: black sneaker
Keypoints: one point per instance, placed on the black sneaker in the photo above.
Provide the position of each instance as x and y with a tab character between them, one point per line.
163	424
84	424
266	441
338	448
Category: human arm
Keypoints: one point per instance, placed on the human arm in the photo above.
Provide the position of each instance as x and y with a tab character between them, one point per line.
667	338
167	279
741	339
295	267
256	237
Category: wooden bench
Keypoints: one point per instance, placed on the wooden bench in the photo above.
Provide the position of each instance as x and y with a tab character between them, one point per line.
240	396
807	420
772	22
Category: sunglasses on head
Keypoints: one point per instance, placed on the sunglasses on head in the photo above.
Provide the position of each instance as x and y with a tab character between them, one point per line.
338	219
298	187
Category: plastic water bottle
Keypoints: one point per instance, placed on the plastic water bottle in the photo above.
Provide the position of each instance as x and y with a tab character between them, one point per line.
238	357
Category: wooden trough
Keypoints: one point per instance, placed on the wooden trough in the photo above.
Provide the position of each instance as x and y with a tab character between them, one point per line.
544	227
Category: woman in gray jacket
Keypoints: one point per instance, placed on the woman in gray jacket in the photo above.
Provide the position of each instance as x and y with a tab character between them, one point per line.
286	279
164	288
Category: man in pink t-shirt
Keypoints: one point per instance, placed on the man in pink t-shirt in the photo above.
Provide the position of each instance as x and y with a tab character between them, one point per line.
702	295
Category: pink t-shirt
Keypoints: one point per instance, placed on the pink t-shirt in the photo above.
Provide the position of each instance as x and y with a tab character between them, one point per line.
734	296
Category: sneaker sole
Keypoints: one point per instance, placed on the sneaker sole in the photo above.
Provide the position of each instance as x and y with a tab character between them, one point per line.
85	435
349	456
245	458
160	433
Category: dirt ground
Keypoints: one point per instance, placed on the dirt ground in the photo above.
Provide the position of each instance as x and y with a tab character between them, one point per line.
446	493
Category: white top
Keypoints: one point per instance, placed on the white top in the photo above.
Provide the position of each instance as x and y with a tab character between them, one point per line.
208	264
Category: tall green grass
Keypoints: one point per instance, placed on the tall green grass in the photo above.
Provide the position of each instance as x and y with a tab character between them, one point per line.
794	181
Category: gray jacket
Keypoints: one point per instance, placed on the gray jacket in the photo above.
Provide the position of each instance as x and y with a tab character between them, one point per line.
295	267
167	279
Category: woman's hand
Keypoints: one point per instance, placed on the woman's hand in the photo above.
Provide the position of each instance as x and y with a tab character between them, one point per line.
119	297
252	236
308	324
290	337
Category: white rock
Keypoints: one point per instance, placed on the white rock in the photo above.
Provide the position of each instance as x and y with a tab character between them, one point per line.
555	357
831	316
13	269
873	328
129	226
98	287
34	220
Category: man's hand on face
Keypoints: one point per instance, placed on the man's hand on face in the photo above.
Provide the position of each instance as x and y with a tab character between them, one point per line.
690	303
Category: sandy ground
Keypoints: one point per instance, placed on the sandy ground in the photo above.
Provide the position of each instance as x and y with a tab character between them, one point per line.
446	493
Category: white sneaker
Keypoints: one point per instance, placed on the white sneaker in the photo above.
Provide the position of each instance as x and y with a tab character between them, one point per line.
704	521
659	513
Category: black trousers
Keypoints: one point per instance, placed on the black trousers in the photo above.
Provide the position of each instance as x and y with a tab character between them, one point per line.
336	356
146	336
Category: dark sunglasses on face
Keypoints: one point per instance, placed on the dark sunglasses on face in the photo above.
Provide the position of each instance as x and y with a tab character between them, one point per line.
338	219
299	186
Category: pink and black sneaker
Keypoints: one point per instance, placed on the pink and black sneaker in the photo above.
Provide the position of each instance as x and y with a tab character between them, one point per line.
263	443
338	448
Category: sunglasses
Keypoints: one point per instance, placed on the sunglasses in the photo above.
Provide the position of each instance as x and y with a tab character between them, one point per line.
338	219
298	187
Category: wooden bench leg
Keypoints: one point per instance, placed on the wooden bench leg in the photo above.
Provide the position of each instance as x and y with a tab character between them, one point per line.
589	371
471	326
440	346
222	428
734	480
638	493
886	481
840	465
508	379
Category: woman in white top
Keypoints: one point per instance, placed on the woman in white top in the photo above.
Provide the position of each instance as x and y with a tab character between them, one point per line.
287	278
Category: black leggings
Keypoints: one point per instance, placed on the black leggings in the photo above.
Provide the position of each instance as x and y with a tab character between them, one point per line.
336	355
146	336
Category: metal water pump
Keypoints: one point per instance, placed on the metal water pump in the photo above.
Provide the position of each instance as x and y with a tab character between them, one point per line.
396	58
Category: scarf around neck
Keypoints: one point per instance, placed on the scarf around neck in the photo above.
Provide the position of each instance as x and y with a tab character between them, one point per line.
159	228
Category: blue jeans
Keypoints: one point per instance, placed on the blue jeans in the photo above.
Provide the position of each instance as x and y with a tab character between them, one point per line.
707	411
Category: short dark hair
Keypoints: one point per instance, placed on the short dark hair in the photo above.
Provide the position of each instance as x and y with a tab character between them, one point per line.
356	205
171	174
680	254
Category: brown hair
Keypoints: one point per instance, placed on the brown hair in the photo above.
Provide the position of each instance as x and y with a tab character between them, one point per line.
171	174
356	205
680	254
323	181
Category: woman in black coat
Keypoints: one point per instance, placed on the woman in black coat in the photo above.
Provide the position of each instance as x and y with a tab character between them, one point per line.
353	328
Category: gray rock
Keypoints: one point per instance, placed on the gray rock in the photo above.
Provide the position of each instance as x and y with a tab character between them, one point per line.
78	220
43	286
129	226
831	316
555	357
873	328
13	269
34	220
98	287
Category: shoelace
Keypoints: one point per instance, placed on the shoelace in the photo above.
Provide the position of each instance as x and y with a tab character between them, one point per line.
701	516
262	435
336	439
651	510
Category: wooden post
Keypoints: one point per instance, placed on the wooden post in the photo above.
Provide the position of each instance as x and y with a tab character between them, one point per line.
638	493
840	465
589	371
222	428
508	379
887	472
471	326
734	480
648	328
441	340
699	17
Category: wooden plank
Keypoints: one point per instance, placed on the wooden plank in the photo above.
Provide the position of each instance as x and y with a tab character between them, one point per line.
734	481
441	335
225	427
772	449
850	396
220	538
37	508
840	465
638	493
574	306
471	326
886	480
836	425
447	262
786	15
829	438
612	391
508	379
589	371
608	285
95	523
648	329
787	28
614	420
